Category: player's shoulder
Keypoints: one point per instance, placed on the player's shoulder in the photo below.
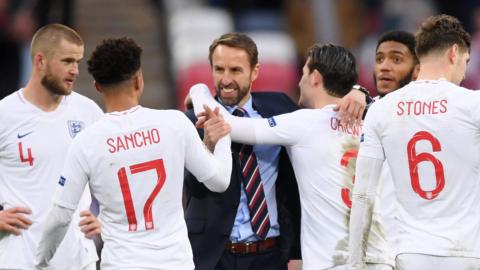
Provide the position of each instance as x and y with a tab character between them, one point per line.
12	108
11	101
272	97
385	102
304	113
163	112
81	100
175	117
273	103
467	94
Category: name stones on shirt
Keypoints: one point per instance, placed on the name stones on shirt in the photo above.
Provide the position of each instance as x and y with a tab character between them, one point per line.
133	140
421	107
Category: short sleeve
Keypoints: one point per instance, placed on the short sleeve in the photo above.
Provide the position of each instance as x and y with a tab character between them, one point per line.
370	144
74	177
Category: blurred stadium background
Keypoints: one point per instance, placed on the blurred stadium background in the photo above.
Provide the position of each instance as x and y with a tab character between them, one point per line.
175	35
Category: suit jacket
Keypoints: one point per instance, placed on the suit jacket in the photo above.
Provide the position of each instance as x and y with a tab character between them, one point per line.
210	215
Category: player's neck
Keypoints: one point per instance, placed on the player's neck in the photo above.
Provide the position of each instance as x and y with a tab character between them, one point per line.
324	99
41	97
435	69
119	102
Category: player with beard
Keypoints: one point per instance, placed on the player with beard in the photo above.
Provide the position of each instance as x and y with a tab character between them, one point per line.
223	228
133	159
395	61
322	154
434	173
396	65
38	123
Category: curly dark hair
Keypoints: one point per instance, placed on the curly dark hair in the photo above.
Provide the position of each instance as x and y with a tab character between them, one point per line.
337	66
114	60
440	32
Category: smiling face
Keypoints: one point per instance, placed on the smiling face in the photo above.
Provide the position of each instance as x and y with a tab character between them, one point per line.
61	69
232	75
395	66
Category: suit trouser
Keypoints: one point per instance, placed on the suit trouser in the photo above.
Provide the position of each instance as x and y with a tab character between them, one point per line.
265	260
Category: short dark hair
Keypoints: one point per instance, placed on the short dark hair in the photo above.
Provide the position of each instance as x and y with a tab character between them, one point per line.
337	66
403	37
238	41
440	32
114	60
47	38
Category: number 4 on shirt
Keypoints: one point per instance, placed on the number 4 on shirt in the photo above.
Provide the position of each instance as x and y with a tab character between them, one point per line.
156	165
29	157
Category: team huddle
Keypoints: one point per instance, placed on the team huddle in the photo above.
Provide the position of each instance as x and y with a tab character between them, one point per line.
271	182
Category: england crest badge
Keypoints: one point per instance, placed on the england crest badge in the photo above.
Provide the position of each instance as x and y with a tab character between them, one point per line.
74	127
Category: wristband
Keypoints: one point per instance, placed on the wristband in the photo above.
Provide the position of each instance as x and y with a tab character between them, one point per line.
361	89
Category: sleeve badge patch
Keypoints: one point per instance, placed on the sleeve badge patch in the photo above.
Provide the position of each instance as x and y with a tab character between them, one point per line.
61	181
271	122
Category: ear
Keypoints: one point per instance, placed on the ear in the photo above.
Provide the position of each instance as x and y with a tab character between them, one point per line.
452	53
39	60
316	78
97	86
138	82
416	70
255	71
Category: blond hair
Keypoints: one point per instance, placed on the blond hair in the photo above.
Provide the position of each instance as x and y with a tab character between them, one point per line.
49	36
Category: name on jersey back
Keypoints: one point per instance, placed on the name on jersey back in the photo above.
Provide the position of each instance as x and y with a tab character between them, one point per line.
336	125
133	140
421	107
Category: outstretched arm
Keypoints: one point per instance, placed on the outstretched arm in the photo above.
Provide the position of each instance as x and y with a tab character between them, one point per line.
55	229
363	198
71	188
284	129
212	170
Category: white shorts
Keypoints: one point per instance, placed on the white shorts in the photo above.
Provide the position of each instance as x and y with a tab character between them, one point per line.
379	266
414	261
370	266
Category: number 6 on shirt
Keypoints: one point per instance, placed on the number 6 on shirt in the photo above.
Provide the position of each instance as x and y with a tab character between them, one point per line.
156	165
414	159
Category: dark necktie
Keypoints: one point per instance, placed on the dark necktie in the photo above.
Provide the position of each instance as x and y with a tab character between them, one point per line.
252	183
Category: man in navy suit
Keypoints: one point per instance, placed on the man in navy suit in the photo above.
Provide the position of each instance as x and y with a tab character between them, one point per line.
222	226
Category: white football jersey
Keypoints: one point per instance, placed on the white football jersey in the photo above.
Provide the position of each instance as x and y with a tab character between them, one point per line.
386	207
429	133
134	163
33	146
323	154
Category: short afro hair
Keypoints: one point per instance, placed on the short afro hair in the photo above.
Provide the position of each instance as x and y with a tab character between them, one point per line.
115	60
403	37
